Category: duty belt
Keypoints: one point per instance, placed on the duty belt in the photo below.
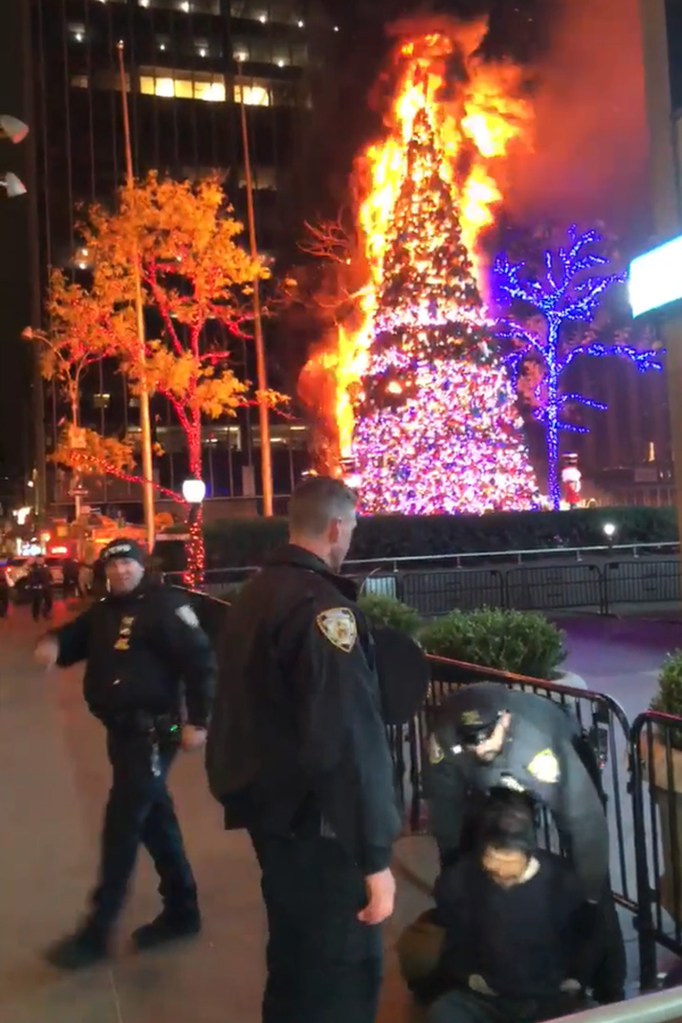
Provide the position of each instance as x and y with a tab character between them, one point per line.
142	722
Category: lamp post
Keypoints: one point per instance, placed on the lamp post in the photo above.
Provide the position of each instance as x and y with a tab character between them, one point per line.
145	421
194	492
261	369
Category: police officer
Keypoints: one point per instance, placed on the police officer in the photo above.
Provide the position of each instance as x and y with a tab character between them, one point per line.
39	585
487	738
139	643
297	754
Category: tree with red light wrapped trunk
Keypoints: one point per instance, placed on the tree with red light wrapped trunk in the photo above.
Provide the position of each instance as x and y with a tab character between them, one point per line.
196	279
437	428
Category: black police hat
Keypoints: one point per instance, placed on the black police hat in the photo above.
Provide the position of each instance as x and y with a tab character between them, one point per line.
473	713
124	548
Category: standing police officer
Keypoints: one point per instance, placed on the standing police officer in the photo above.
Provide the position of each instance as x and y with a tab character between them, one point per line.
140	643
297	754
488	738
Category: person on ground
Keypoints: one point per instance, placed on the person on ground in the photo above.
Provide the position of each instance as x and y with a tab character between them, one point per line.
513	921
142	644
297	753
486	738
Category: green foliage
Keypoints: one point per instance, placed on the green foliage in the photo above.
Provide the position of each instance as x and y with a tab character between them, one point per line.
381	610
515	641
233	543
668	699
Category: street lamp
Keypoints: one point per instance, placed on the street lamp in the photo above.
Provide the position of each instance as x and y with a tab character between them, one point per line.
610	530
194	492
13	185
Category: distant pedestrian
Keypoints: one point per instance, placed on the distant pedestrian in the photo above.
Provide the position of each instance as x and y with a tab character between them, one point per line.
39	585
70	569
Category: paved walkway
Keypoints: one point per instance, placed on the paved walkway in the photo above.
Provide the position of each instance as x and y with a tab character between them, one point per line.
54	780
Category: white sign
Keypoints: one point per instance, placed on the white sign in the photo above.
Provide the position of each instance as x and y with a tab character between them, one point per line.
655	279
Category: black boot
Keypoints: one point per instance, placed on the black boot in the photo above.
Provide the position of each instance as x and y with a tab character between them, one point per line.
89	945
170	925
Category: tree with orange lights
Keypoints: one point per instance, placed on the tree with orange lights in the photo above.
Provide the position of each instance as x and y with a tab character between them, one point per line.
196	279
437	427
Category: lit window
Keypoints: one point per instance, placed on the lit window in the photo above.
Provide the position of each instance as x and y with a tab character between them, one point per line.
80	82
254	95
166	87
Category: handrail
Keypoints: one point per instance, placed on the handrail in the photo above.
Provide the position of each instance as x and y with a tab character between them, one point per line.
553	553
661	1007
497	674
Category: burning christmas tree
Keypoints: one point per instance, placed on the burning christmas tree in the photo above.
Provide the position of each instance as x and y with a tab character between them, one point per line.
436	424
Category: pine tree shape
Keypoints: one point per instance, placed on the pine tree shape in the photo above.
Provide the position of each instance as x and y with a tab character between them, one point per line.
437	428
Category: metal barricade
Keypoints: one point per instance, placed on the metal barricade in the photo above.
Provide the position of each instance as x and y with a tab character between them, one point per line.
641	581
437	593
554	587
656	743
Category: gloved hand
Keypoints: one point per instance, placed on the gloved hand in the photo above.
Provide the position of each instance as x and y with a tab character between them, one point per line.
479	984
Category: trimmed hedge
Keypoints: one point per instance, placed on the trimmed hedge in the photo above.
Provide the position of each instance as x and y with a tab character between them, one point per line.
240	542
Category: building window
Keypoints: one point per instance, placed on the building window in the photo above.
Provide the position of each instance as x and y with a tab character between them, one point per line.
255	94
176	87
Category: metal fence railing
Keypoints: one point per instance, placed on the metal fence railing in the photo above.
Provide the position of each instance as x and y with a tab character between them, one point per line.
656	743
600	587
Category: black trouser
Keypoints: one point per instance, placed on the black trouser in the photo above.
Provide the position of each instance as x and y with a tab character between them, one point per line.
140	811
324	966
610	969
41	601
4	602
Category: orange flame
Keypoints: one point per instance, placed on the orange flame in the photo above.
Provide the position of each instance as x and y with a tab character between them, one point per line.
475	123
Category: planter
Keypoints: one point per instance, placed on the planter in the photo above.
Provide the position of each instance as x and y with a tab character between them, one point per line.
667	792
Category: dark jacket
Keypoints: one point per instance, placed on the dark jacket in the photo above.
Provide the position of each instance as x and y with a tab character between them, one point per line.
525	941
139	649
39	578
540	757
297	737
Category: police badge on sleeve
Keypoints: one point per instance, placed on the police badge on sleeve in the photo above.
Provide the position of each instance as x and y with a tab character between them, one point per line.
545	767
338	625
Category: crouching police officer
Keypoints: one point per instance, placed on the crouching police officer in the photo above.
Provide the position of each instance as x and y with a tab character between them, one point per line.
139	643
297	754
488	738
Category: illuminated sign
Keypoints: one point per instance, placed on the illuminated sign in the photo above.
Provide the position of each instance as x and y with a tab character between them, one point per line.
655	279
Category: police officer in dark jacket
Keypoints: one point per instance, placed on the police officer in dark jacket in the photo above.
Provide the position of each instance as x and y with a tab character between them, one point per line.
140	643
297	754
39	585
487	738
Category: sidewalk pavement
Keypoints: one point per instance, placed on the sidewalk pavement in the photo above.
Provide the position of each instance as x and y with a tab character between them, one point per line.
55	779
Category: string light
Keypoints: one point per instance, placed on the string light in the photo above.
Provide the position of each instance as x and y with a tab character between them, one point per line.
437	426
569	293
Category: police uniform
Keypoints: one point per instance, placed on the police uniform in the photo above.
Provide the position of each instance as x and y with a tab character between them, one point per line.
141	650
539	757
297	754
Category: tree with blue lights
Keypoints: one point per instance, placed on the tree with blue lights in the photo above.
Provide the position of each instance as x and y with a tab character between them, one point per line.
571	291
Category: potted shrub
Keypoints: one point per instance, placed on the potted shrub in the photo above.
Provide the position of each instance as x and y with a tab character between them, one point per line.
668	700
387	611
521	642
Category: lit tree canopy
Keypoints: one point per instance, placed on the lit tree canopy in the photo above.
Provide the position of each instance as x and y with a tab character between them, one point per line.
570	291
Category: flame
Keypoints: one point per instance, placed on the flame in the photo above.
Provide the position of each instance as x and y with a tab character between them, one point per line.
475	124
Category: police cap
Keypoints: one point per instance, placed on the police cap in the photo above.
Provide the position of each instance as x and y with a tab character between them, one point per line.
123	548
473	714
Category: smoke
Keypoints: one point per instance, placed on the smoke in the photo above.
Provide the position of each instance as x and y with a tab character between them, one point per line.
591	142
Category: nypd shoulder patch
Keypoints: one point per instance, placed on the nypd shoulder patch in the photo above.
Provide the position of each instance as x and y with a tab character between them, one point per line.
338	625
187	615
544	767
